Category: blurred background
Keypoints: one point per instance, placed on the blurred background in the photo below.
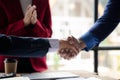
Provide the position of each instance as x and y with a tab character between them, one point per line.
75	17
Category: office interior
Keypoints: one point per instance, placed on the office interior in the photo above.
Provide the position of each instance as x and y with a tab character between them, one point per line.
75	17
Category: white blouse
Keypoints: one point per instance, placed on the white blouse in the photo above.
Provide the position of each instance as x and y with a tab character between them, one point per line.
24	4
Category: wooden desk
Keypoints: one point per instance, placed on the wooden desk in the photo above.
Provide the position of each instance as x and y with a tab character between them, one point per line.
86	74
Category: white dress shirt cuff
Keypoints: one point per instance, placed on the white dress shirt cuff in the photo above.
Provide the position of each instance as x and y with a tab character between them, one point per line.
54	43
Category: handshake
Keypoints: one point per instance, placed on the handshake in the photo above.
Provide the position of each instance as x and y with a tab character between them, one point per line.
70	47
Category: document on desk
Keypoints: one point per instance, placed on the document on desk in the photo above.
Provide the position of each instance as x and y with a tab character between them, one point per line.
50	75
80	78
16	78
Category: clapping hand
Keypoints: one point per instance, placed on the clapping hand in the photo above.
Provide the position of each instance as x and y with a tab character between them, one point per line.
30	15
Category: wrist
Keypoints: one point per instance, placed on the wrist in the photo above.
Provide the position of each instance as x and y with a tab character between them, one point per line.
82	44
33	22
60	42
26	23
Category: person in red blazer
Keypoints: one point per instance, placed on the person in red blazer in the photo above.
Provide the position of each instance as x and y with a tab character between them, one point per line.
26	18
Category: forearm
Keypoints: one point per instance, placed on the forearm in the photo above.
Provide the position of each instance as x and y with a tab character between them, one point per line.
42	30
43	27
108	21
82	44
16	28
24	47
103	26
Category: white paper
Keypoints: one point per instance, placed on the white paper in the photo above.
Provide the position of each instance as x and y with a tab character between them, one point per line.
16	78
81	78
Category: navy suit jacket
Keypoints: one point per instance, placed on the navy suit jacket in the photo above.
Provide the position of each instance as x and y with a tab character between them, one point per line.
104	25
23	46
110	19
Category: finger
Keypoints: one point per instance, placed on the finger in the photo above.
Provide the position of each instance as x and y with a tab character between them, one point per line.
63	55
28	7
34	17
68	57
31	9
34	14
64	52
70	40
73	42
75	50
34	7
68	54
61	51
71	54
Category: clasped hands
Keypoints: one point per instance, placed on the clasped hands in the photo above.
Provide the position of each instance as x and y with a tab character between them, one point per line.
30	15
70	47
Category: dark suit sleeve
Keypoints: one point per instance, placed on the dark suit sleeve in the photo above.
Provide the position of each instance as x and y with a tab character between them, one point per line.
23	46
103	26
108	22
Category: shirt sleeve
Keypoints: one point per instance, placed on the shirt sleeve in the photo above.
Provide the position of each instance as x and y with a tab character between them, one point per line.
54	43
90	40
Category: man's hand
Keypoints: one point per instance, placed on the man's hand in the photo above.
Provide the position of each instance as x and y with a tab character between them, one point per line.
76	42
73	41
66	50
71	48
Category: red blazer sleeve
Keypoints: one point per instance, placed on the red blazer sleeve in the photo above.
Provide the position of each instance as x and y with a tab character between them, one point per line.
16	28
10	21
43	27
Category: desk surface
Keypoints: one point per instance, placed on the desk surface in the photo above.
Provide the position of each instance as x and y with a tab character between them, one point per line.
87	74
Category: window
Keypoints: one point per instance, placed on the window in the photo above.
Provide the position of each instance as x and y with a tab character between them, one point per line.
109	59
71	17
75	17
